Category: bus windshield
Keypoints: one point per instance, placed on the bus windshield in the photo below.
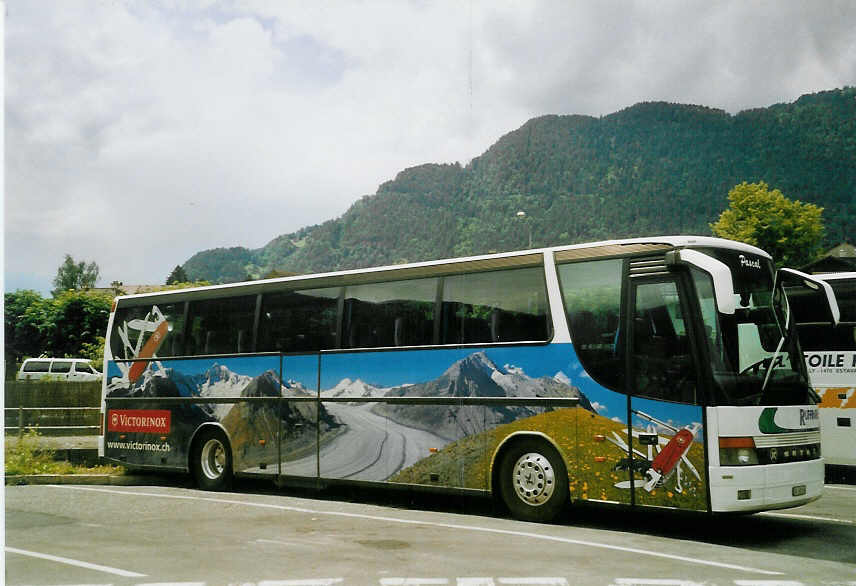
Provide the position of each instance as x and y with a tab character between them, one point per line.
754	354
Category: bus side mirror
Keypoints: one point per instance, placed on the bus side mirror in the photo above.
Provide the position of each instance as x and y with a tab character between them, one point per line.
723	283
811	300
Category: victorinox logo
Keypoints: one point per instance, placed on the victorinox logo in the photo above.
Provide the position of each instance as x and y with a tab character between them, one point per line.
139	420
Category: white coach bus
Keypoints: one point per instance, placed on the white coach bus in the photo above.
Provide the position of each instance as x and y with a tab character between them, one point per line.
830	354
660	372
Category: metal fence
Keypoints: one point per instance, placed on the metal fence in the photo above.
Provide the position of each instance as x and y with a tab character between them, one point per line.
54	408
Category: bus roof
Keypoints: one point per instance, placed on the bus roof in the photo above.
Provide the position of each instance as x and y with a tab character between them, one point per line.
518	258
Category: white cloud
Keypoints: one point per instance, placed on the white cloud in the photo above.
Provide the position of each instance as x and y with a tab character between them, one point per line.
140	133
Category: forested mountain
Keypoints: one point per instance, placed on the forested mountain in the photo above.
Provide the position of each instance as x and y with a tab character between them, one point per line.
653	168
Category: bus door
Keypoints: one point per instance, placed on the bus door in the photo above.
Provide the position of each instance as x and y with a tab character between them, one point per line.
665	420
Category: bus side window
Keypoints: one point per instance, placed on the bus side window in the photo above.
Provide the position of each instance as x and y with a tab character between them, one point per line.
129	320
591	292
495	306
298	321
215	324
820	338
845	293
395	313
661	356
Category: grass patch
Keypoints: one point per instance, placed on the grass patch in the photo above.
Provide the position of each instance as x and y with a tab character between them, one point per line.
26	457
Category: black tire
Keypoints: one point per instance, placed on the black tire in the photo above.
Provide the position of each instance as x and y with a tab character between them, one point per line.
533	481
211	460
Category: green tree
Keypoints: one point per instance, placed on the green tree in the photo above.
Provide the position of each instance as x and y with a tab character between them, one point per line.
71	324
177	276
77	318
791	231
25	314
94	351
74	275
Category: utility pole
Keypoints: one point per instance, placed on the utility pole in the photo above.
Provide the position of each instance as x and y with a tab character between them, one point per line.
524	218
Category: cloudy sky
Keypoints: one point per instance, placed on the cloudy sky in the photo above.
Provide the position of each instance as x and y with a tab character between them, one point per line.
140	132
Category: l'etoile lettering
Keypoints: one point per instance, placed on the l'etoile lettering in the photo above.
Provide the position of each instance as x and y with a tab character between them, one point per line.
139	420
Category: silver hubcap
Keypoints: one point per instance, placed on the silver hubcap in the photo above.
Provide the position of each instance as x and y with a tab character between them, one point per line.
213	459
534	480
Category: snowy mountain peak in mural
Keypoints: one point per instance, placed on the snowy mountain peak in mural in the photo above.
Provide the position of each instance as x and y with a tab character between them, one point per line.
219	381
475	363
561	377
354	389
477	375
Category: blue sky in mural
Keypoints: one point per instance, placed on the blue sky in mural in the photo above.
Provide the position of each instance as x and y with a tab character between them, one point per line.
248	365
387	369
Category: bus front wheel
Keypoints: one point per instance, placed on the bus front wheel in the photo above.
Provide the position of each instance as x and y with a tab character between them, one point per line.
211	460
533	481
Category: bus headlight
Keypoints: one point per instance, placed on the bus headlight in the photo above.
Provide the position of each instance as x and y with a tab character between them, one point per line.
737	451
744	456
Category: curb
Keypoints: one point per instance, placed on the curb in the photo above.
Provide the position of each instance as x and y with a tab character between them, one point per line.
85	479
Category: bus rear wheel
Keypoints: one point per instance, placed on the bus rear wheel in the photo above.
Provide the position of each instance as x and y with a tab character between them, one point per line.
211	460
533	481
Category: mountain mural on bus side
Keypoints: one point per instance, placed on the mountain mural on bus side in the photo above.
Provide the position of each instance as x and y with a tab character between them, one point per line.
362	437
378	439
253	427
474	376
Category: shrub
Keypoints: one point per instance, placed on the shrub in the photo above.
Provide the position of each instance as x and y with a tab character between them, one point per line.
26	457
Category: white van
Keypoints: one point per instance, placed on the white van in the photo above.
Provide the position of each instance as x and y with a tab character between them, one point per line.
64	369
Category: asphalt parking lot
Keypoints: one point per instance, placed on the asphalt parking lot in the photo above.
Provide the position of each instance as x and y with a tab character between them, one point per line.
261	535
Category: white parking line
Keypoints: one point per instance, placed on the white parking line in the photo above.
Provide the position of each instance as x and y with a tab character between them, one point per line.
767	583
316	582
808	517
837	487
172	584
652	582
533	581
412	581
78	563
475	528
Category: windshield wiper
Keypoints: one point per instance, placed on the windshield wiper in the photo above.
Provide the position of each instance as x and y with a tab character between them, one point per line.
778	347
